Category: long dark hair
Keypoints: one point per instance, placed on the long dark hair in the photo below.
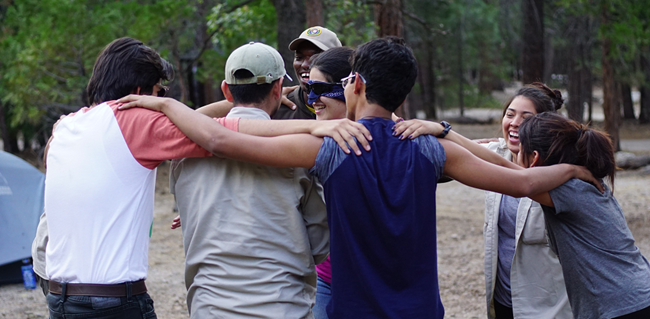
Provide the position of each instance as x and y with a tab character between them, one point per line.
560	140
543	97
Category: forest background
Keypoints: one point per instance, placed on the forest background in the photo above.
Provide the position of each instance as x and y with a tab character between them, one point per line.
466	50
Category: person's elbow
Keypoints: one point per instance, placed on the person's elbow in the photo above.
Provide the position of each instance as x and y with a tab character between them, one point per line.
219	146
526	188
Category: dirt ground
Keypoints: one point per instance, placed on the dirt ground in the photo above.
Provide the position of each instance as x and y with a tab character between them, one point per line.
460	243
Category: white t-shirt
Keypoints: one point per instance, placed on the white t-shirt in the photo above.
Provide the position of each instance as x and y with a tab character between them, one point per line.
99	191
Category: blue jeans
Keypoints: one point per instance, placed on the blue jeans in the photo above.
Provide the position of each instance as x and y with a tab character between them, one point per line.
86	307
323	297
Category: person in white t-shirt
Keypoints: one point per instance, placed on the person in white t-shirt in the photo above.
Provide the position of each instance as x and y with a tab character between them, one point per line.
99	188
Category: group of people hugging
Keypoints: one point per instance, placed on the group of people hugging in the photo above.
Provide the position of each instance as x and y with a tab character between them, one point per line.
286	217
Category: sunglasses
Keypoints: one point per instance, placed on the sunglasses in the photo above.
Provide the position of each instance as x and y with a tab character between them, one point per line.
320	88
350	79
162	90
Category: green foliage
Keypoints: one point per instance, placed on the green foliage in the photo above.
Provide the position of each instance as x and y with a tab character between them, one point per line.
627	27
476	24
351	20
48	48
234	28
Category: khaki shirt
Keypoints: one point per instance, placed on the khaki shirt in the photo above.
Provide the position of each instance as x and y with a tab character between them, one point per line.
252	236
536	280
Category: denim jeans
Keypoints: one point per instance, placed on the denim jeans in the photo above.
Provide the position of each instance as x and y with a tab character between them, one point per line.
86	307
323	297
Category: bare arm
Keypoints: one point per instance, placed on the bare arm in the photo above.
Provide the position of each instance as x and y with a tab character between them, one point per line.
480	151
222	108
415	128
216	109
297	150
472	171
342	131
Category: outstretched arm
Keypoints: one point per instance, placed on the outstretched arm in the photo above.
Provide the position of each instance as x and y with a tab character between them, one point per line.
298	150
223	107
415	128
344	131
216	109
533	182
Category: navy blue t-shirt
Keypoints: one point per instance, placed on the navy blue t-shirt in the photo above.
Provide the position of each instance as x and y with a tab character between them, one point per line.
381	210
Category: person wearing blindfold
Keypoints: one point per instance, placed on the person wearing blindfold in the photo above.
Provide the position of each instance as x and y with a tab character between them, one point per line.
327	98
324	85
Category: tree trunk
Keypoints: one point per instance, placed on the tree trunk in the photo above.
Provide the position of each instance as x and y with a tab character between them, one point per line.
626	98
429	82
644	115
315	15
575	106
6	141
196	87
610	106
580	45
388	17
587	91
533	41
291	19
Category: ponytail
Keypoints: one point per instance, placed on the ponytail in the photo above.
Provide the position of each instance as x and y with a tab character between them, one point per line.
559	140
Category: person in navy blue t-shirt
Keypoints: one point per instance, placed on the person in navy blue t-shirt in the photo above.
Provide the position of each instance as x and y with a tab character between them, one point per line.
381	203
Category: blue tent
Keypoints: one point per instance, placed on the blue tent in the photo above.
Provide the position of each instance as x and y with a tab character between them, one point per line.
22	189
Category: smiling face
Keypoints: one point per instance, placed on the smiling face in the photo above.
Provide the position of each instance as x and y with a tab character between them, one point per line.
326	108
302	61
520	108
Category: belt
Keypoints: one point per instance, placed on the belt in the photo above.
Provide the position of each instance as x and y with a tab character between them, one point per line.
99	290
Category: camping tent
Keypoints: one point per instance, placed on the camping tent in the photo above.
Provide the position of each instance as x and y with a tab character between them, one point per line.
21	204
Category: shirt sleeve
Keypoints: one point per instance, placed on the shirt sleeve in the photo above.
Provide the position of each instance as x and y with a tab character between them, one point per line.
564	196
329	157
433	151
314	213
152	138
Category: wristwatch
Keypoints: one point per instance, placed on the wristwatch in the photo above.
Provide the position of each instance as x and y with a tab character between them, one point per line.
445	131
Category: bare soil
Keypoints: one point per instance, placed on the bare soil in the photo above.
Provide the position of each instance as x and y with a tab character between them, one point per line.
460	244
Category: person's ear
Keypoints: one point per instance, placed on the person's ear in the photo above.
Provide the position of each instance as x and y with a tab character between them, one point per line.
226	91
358	83
534	159
277	89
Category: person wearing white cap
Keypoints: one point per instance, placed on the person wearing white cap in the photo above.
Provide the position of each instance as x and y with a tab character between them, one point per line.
252	234
312	41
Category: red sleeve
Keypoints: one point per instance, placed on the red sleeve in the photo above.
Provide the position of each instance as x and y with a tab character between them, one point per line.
152	138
